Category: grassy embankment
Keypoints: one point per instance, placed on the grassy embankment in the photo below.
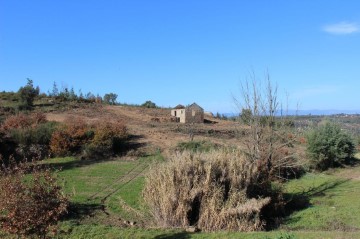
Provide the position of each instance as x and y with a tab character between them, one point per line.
331	208
106	194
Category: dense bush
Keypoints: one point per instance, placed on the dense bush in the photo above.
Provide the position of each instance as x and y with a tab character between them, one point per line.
40	134
26	136
70	137
149	104
109	138
28	93
21	121
31	201
98	139
329	146
219	190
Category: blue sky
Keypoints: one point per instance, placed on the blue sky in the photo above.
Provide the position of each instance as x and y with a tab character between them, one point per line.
186	51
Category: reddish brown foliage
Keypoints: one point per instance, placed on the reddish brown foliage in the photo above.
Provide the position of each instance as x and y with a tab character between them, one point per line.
70	137
22	121
100	138
29	204
107	131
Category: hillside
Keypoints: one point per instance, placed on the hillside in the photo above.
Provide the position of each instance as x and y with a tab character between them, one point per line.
151	128
106	194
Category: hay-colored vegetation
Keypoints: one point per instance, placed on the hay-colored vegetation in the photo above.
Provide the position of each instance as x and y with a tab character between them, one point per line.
209	190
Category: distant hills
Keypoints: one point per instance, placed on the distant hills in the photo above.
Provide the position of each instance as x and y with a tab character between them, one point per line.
322	112
309	112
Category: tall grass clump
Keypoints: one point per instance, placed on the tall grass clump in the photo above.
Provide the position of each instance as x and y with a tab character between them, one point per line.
218	190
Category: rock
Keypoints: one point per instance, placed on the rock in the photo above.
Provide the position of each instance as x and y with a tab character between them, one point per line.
192	229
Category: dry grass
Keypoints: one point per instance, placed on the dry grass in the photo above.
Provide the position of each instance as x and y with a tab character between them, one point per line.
208	190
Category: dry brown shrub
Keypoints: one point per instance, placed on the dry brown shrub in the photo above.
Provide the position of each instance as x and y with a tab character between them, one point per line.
70	137
31	201
21	121
101	138
107	131
17	121
209	190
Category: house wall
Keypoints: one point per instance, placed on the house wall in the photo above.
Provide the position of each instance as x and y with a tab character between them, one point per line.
194	115
179	113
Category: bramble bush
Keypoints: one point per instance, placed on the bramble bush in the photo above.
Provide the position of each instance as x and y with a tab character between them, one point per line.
31	201
328	146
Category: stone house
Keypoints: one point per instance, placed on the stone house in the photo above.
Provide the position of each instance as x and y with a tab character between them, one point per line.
189	114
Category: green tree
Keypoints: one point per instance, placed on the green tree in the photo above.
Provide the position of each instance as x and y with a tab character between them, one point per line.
110	98
149	104
28	93
72	95
246	115
329	146
55	90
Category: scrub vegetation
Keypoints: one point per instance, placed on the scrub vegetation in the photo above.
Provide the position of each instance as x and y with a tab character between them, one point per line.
85	166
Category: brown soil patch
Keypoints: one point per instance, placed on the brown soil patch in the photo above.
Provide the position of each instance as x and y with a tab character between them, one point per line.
349	173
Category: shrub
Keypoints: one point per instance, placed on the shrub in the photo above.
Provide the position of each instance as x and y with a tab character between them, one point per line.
100	139
109	137
28	93
329	146
26	136
21	121
149	104
29	204
196	146
219	190
70	137
40	134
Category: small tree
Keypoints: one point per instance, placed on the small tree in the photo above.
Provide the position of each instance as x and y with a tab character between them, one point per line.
72	94
110	98
267	142
329	146
28	93
29	204
246	115
149	104
55	90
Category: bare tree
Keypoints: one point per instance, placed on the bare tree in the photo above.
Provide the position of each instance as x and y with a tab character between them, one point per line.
269	143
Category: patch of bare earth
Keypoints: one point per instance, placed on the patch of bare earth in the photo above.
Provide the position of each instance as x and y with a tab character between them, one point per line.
352	173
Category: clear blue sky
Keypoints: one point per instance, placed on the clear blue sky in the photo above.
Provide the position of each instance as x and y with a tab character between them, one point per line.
185	51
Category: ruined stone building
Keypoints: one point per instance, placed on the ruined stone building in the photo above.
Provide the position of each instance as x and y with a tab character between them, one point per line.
190	114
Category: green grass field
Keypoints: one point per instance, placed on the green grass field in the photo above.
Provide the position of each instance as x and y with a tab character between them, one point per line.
104	194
